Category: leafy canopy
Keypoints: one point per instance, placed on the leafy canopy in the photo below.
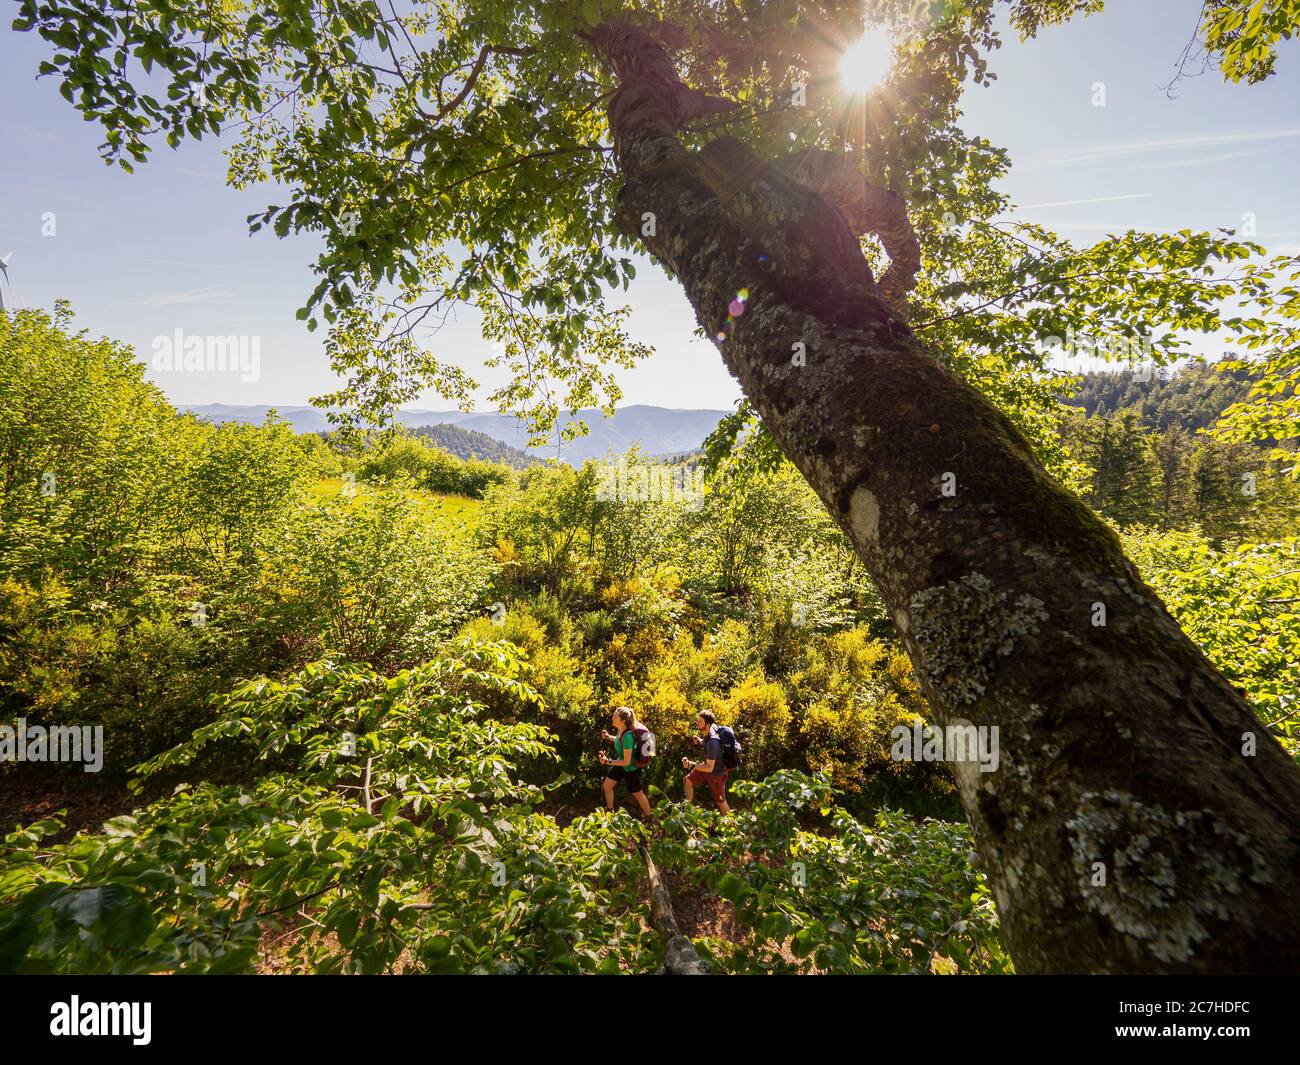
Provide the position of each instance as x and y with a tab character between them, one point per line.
456	154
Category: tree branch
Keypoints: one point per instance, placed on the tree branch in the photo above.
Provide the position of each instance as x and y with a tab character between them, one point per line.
868	209
472	78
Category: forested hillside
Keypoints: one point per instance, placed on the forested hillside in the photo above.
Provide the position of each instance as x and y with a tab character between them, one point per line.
1152	461
657	430
471	444
1192	397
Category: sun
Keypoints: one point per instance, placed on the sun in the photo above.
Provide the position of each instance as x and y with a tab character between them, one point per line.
866	62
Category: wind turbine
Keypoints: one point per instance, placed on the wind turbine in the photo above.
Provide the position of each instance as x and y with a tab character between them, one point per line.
4	271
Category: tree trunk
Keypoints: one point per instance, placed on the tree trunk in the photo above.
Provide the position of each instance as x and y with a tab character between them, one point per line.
1125	829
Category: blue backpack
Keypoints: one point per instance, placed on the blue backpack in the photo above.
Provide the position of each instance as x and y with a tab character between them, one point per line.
730	747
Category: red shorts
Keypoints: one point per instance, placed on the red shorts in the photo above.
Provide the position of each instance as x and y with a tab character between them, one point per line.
717	782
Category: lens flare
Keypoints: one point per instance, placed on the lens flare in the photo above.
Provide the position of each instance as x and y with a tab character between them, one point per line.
866	62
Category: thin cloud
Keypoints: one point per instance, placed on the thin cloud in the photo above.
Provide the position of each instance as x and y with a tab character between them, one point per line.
194	295
35	133
186	171
1102	227
1095	199
1201	160
225	268
1103	153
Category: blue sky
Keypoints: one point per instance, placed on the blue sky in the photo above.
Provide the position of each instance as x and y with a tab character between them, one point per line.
142	255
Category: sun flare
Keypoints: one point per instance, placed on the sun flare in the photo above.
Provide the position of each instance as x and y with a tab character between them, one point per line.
866	62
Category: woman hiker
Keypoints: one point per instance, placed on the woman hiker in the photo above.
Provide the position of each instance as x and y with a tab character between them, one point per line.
623	765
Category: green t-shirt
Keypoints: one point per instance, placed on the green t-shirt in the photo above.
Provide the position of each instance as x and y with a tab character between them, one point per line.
626	742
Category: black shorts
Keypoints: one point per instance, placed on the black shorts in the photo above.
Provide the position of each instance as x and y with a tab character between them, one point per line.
630	776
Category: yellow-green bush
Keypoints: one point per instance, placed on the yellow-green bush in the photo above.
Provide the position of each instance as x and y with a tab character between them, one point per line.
757	709
851	691
565	683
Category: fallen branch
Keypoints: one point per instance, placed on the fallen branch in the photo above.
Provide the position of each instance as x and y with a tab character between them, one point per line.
680	957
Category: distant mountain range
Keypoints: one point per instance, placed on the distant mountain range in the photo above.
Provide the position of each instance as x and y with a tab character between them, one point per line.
658	430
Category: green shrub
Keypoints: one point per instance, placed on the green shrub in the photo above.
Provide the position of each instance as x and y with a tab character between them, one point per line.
388	807
898	896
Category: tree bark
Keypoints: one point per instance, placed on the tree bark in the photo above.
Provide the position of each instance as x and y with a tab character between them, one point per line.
1125	830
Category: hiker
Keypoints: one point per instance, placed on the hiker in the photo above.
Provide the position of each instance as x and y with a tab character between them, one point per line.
716	766
628	759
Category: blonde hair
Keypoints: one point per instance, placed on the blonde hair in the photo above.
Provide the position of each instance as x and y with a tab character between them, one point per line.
626	715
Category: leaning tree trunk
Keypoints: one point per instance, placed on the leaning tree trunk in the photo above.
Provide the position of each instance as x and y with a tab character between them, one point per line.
1125	830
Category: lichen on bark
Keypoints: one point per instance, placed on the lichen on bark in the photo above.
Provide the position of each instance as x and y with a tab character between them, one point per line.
1167	876
963	627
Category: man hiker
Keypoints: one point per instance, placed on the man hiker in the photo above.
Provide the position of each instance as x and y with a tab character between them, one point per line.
623	766
711	770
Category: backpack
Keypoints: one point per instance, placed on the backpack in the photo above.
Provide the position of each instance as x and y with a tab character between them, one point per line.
645	746
730	747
